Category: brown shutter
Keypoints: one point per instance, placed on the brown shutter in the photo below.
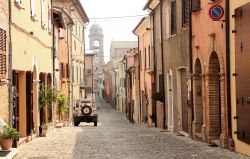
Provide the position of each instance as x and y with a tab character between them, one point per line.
242	64
2	53
196	5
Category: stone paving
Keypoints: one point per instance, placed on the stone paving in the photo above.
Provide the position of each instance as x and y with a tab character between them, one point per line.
116	138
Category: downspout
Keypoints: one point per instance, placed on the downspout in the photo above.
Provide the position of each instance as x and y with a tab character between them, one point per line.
139	77
162	65
155	69
228	67
191	64
11	91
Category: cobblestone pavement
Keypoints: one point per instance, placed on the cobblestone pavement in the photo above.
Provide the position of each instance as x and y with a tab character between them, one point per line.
116	138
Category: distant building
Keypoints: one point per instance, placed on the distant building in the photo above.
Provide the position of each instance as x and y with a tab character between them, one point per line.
117	51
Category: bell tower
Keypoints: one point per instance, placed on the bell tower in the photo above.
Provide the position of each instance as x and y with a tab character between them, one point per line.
96	44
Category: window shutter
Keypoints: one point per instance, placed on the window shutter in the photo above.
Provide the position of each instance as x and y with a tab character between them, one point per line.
173	17
161	88
32	5
2	53
185	12
42	14
49	18
196	5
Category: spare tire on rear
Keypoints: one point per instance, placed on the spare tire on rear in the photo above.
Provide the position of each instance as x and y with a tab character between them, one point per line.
86	110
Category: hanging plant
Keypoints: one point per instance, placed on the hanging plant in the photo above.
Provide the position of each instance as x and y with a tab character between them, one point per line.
157	96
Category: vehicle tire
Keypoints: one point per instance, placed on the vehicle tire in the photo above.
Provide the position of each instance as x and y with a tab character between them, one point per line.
95	123
76	123
86	110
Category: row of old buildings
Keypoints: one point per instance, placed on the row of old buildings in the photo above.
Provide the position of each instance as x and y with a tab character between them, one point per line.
189	71
41	43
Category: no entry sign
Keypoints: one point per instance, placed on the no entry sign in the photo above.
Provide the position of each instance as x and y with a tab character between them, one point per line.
216	12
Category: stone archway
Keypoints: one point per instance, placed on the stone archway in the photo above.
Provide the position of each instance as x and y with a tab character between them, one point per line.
214	98
198	104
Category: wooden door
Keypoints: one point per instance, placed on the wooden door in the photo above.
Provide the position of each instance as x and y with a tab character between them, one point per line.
29	103
242	64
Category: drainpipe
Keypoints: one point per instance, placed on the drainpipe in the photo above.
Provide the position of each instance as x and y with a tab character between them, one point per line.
191	65
11	91
155	69
139	77
162	65
228	67
53	51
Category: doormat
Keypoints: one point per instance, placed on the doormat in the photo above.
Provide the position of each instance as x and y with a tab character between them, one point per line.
212	145
165	131
4	153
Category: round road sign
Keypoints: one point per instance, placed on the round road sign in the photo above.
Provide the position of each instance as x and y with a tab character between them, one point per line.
216	12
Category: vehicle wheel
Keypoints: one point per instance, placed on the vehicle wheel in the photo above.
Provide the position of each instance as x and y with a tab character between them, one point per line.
95	123
86	110
76	123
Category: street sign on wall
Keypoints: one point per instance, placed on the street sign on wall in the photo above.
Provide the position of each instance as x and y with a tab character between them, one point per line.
216	12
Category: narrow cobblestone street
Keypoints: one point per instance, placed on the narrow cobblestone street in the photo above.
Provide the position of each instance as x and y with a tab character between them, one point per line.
116	138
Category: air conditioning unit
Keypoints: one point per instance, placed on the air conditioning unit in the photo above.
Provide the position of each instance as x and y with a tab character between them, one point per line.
61	33
18	3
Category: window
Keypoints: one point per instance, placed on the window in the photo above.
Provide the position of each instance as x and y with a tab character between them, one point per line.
149	62
161	88
75	44
32	8
49	18
140	59
73	74
61	70
77	75
185	12
67	70
76	28
145	58
196	5
173	17
42	14
2	53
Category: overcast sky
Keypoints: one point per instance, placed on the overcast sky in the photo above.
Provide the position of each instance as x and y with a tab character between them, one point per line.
114	28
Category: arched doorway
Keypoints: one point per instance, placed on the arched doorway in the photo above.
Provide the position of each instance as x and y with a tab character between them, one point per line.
214	97
198	106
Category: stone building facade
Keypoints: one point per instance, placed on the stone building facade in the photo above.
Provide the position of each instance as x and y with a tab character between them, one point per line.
32	46
209	75
146	66
117	51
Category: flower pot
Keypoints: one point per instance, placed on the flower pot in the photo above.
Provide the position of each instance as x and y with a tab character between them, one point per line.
44	132
6	144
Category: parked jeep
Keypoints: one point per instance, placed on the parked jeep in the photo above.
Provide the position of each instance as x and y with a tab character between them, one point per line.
85	111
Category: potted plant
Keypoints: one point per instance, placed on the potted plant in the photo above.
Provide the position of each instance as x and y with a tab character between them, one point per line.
47	95
44	129
157	96
61	102
7	136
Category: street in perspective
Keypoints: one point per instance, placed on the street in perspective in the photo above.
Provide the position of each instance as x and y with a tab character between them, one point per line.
124	79
116	138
